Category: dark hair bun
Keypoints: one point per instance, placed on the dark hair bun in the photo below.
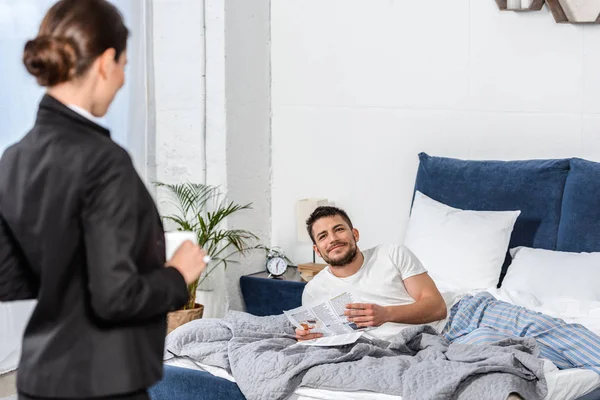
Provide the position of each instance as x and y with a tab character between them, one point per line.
52	60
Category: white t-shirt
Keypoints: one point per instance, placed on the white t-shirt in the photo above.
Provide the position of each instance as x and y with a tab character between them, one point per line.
380	281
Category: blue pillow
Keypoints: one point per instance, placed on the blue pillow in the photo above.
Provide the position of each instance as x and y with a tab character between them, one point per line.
533	186
579	229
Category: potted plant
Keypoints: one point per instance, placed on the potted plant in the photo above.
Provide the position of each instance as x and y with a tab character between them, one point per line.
202	209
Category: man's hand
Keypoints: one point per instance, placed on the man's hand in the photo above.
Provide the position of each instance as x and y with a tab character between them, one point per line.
304	334
364	315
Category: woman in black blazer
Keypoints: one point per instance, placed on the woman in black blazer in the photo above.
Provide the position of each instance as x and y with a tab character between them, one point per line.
78	229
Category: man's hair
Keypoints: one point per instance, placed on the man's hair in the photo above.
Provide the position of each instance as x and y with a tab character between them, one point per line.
322	212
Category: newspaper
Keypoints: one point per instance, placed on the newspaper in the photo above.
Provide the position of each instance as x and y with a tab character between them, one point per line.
327	318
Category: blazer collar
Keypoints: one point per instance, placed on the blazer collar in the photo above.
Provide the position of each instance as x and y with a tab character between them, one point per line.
49	105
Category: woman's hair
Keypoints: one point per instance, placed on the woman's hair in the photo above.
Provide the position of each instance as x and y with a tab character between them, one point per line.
72	35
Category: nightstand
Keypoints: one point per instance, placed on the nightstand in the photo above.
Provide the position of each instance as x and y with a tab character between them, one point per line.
309	270
270	296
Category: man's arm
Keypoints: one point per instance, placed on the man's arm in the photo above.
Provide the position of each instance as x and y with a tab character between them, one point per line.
429	306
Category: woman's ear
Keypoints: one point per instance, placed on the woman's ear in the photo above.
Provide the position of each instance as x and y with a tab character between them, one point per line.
107	63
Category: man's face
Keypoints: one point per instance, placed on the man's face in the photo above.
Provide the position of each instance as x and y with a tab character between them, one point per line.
335	241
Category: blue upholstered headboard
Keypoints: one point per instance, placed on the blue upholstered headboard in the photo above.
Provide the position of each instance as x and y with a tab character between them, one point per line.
559	199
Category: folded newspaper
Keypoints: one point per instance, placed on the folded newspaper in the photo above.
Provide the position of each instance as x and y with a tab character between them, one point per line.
328	318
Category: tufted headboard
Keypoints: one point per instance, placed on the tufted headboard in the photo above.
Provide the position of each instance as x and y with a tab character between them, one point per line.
559	199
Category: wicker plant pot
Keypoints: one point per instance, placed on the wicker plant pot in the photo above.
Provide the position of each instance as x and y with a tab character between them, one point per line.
177	318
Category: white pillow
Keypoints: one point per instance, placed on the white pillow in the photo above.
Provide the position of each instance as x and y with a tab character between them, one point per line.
461	249
548	274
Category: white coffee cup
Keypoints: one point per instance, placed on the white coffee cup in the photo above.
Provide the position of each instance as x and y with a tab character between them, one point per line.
173	240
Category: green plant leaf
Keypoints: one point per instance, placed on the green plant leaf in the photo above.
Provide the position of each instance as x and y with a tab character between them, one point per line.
202	209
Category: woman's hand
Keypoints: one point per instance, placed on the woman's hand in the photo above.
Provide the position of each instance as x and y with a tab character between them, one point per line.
189	261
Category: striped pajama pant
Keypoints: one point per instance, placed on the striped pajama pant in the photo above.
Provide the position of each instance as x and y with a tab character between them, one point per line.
481	319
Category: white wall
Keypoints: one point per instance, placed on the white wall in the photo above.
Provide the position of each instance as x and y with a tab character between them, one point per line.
236	101
238	128
248	143
180	102
360	87
179	56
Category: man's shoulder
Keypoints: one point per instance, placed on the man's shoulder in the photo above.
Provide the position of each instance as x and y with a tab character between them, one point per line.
319	279
399	255
391	250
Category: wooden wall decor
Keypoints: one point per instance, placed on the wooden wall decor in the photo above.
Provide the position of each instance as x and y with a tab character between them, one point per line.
564	11
575	11
524	5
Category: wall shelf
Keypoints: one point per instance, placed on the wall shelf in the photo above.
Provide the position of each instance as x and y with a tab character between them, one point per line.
536	5
564	11
575	11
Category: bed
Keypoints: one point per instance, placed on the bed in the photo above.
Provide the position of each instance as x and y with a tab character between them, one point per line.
13	319
559	202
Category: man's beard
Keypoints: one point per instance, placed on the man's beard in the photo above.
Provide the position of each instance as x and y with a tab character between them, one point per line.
345	259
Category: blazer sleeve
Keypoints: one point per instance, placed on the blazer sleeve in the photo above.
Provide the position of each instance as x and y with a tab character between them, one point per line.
118	291
17	281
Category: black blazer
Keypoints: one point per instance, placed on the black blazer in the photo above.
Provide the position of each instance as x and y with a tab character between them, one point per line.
80	232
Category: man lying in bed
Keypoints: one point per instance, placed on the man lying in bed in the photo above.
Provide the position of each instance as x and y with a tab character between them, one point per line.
396	292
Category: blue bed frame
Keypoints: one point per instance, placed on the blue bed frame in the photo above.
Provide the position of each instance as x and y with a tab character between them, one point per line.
186	384
560	210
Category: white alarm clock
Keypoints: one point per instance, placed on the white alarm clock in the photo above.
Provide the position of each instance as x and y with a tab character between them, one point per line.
276	262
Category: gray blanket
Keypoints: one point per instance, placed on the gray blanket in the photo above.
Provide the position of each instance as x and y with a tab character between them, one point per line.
267	362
